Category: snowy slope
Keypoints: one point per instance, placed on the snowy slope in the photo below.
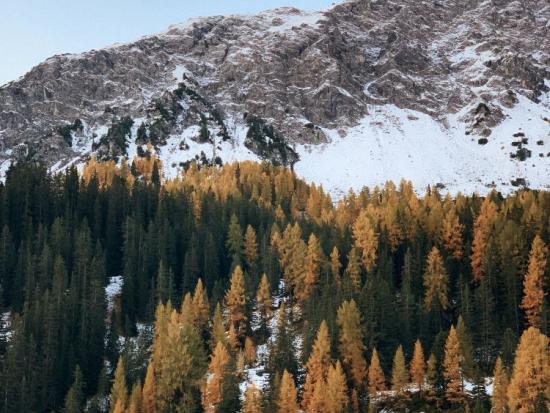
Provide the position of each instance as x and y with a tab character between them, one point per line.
394	144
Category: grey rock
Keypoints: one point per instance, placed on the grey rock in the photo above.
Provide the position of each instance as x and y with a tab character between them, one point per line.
296	72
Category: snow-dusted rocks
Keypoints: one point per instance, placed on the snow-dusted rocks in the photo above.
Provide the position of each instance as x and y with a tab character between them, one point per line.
438	92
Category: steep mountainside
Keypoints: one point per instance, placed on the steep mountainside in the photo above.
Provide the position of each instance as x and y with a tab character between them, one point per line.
439	92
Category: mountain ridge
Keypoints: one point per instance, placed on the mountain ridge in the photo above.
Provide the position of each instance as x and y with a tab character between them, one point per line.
305	88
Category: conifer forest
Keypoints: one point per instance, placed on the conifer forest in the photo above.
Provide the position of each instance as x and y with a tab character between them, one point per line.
242	288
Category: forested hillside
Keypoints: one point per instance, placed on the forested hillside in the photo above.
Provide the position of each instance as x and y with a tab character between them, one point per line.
243	288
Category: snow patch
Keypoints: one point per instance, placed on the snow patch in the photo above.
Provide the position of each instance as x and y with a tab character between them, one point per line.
113	289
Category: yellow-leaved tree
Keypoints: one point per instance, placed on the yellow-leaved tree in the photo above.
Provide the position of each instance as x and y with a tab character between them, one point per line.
351	346
366	239
287	401
530	382
533	284
452	372
418	366
317	365
436	281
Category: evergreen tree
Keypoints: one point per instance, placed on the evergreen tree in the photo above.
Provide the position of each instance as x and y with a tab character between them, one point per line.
353	270
431	377
234	243
467	364
281	355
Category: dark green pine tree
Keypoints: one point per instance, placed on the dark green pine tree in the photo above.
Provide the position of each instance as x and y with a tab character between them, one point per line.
191	267
7	263
234	242
281	355
165	284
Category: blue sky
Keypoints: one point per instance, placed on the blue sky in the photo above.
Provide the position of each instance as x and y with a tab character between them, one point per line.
32	30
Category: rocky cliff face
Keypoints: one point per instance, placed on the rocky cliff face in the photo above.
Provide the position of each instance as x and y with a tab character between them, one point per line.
285	85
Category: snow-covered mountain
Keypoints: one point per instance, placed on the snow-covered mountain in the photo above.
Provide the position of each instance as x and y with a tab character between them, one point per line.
438	92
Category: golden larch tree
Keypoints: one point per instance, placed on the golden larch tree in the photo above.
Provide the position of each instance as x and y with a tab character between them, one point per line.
335	266
287	401
233	338
119	391
499	398
351	346
317	364
212	392
452	372
533	284
418	366
250	247
235	300
119	407
366	239
399	373
263	299
187	313
291	250
252	400
336	397
201	308
530	381
482	231
218	327
377	381
436	281
318	402
136	399
249	351
451	235
148	393
314	258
